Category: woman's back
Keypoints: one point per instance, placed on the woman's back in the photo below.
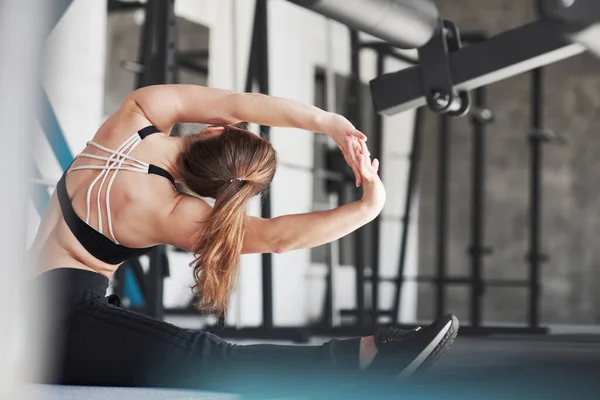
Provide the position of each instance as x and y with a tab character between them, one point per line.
138	201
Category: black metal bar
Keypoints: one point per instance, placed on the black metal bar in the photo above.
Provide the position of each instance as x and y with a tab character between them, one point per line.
442	211
265	212
411	184
116	5
500	57
253	58
348	331
374	313
188	64
377	153
145	56
467	280
154	300
573	15
198	54
297	335
460	280
477	248
140	276
167	47
355	114
157	55
536	140
119	281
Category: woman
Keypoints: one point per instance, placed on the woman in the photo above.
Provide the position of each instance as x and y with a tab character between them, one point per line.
118	199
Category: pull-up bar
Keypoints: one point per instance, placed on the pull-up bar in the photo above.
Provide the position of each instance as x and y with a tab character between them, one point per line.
407	24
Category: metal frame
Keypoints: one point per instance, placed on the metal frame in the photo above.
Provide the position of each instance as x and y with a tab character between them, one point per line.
406	24
500	57
441	244
367	320
354	111
478	250
157	61
578	20
411	184
116	5
472	67
535	257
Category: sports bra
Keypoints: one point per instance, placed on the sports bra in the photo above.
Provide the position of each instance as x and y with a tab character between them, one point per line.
94	241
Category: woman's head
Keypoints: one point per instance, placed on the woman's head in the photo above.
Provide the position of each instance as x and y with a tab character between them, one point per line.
232	167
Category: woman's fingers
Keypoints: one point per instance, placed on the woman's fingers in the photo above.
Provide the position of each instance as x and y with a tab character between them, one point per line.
359	135
351	159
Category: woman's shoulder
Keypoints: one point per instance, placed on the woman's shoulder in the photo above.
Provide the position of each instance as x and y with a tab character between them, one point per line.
121	125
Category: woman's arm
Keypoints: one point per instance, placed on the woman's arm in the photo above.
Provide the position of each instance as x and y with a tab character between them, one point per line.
288	232
166	105
277	235
305	231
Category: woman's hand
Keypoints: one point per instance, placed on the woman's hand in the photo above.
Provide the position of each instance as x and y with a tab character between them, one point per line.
340	129
374	194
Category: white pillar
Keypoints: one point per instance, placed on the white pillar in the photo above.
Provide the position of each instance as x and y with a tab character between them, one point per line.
21	33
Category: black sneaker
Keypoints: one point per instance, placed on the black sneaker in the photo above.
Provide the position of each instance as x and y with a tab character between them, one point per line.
403	353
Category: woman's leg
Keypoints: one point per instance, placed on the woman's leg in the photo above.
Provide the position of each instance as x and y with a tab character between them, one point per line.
107	345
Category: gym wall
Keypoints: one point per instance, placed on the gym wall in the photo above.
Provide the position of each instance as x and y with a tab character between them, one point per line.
571	221
73	92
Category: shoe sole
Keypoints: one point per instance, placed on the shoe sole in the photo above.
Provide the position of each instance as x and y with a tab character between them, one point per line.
434	350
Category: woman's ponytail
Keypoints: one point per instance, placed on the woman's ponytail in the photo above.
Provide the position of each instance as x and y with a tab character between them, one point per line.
219	245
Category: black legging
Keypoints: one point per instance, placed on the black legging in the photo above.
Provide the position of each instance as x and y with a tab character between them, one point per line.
99	343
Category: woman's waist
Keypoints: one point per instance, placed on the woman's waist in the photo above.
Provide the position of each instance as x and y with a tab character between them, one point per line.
60	251
71	285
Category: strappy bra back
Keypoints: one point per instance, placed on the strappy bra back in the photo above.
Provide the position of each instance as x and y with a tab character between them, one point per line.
94	241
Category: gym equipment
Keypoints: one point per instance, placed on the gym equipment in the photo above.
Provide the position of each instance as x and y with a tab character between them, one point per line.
441	78
407	24
567	26
579	20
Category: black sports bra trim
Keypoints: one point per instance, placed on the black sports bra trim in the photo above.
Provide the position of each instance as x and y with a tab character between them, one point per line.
96	243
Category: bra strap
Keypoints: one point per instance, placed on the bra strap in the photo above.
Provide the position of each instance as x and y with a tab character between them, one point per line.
147	131
153	169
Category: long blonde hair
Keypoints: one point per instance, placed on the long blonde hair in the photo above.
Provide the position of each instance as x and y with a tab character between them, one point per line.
232	168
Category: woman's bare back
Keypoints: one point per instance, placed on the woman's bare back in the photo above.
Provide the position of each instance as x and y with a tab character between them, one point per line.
138	201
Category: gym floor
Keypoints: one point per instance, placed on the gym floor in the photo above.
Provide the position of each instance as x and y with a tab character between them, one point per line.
556	366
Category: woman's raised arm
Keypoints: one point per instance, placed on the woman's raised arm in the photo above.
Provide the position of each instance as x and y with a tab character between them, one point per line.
167	105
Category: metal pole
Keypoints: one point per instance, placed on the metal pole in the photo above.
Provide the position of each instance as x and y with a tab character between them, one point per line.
405	24
477	249
355	113
159	55
377	147
413	173
146	45
167	46
536	140
442	211
265	212
332	316
252	59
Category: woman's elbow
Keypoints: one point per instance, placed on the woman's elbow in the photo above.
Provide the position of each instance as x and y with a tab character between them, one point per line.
280	246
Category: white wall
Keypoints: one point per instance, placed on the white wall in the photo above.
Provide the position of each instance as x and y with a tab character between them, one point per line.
73	78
